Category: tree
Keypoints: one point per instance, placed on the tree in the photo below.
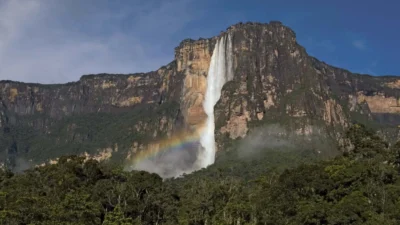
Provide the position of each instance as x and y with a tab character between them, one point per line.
117	217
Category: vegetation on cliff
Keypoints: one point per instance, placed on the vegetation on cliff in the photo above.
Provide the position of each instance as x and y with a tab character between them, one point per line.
275	81
359	187
88	133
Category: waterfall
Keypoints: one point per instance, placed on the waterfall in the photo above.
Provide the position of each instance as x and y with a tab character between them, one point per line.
219	73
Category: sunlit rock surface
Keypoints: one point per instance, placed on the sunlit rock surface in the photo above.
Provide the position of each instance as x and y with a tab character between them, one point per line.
274	81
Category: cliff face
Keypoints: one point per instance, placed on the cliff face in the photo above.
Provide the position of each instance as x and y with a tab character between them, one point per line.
193	60
275	81
93	93
91	116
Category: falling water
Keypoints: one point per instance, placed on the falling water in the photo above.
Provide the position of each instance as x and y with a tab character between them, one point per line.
219	73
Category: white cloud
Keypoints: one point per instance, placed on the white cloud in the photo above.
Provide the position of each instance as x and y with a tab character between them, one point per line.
359	44
58	41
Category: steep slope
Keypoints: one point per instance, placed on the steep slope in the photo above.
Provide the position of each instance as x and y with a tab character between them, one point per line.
94	115
274	82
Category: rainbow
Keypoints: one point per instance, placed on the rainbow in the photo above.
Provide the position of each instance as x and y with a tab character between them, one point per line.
177	142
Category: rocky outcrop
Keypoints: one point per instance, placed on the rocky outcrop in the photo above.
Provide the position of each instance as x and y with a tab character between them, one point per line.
93	93
275	81
379	103
394	84
37	119
193	60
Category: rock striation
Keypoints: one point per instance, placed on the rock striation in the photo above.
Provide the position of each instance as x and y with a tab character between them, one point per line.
274	81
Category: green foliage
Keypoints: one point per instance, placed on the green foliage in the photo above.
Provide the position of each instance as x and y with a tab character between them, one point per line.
117	217
81	133
276	187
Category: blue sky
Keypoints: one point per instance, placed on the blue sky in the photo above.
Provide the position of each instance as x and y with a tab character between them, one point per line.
58	41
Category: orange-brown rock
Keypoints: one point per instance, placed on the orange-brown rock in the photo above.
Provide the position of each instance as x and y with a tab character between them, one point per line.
193	60
274	81
333	113
394	84
380	103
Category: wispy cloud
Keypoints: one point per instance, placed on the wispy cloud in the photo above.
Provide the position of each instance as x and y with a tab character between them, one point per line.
359	44
58	41
326	45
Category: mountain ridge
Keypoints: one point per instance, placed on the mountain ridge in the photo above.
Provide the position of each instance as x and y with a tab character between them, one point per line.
275	81
192	40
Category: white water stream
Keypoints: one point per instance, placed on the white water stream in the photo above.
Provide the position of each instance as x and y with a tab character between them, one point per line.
219	73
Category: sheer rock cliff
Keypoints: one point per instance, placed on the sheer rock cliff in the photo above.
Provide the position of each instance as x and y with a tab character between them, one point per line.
275	82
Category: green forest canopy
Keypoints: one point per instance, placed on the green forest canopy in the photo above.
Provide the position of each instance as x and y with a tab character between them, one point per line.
358	187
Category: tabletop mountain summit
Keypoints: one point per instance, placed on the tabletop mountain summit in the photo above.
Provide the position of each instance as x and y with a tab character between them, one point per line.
215	92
